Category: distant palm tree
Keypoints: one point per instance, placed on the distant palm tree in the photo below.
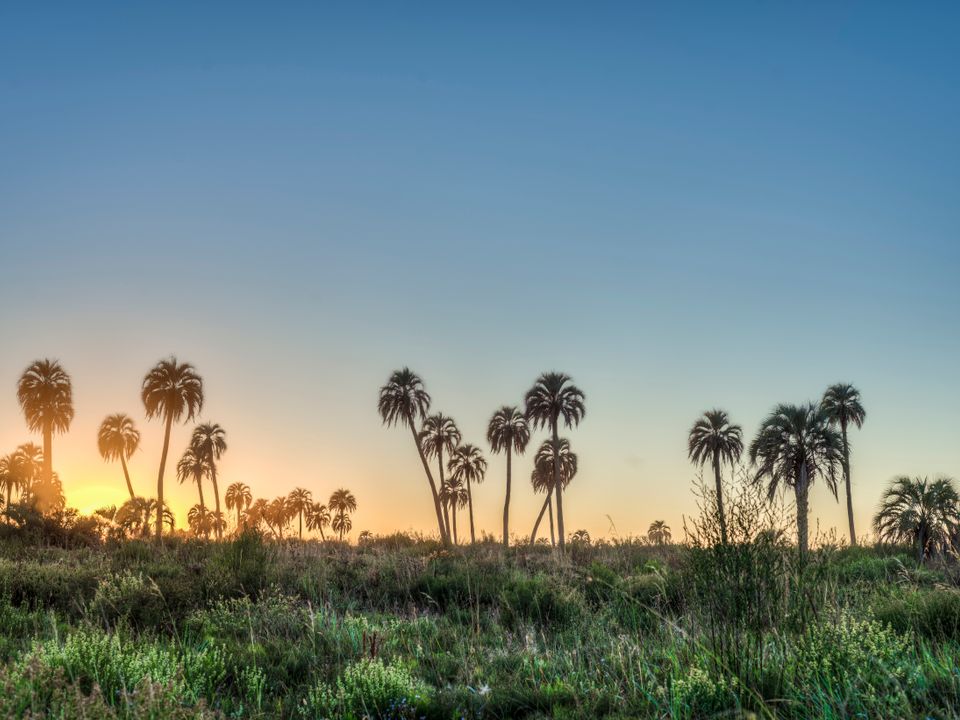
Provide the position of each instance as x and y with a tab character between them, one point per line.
924	513
467	465
256	514
238	497
210	440
713	437
342	503
47	496
659	532
554	396
277	515
580	537
134	516
45	394
193	466
794	446
200	520
403	400
9	479
454	495
318	517
117	439
365	537
170	391
841	403
553	455
439	433
300	501
28	466
508	431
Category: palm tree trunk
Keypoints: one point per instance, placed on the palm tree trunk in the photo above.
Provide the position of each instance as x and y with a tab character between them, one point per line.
446	519
557	485
300	516
440	465
802	491
323	537
163	463
553	537
47	452
536	525
126	475
720	514
216	496
453	512
203	506
433	487
473	537
506	504
846	477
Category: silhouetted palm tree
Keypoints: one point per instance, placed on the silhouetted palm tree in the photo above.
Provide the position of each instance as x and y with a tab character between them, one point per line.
256	513
841	403
28	465
553	455
454	496
713	437
659	532
200	520
299	501
795	445
342	524
508	431
439	433
9	479
170	391
277	515
117	439
342	503
193	466
580	537
920	512
403	400
467	465
238	497
45	394
554	396
364	537
318	517
211	441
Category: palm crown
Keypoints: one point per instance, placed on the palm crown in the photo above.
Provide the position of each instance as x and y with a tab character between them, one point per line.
172	390
118	437
714	436
508	429
842	406
403	399
919	511
542	477
45	394
438	434
553	396
467	463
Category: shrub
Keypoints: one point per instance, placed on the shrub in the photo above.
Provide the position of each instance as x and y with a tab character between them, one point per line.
368	688
697	694
128	597
930	613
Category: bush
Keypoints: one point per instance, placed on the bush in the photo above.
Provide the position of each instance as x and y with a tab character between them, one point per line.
697	695
368	688
127	597
930	613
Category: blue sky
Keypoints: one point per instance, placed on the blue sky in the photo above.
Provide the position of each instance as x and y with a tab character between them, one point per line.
681	206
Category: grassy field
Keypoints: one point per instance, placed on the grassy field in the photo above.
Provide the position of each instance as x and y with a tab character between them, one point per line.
400	628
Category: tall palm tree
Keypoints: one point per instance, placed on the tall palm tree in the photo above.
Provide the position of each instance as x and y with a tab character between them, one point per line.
841	403
211	440
342	503
454	496
554	396
659	532
467	465
117	439
300	501
45	394
238	497
795	445
318	517
920	512
194	466
403	400
170	391
439	433
551	455
508	431
713	437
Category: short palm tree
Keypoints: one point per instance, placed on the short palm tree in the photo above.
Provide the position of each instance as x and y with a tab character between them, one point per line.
300	501
403	400
454	496
551	455
134	516
11	477
552	397
920	512
508	431
45	394
200	520
341	504
794	446
467	465
238	497
193	467
342	524
439	433
277	515
318	517
170	391
841	403
580	537
28	465
713	437
210	440
117	439
256	514
659	532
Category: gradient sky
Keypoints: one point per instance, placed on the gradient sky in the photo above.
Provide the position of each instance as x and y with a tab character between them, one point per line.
681	205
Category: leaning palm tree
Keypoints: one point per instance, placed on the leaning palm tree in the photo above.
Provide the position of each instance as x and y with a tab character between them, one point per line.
553	396
795	445
45	394
920	512
404	401
841	403
467	465
210	440
342	503
439	433
318	517
194	467
170	391
713	437
551	455
238	497
117	439
508	431
300	501
659	532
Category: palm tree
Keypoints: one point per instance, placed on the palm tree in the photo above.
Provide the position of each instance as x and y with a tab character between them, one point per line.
200	520
318	517
277	514
170	391
508	431
238	497
403	400
841	403
211	440
134	516
454	495
659	532
794	445
47	495
193	465
713	437
117	439
256	514
28	466
45	394
920	512
342	503
467	465
11	478
551	456
554	396
439	433
300	501
365	537
580	537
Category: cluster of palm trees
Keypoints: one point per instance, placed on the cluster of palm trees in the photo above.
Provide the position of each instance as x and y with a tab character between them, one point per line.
276	515
553	399
21	475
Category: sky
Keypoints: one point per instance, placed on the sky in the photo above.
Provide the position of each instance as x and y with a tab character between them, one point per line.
681	205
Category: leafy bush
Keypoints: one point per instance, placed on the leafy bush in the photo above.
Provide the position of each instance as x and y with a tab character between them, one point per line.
697	694
368	688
